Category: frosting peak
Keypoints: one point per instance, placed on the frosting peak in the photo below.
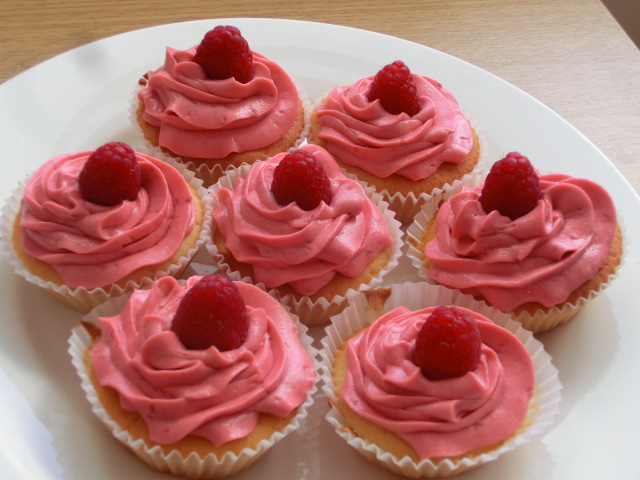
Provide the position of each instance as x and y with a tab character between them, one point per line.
80	238
438	418
203	118
208	393
541	257
363	134
302	248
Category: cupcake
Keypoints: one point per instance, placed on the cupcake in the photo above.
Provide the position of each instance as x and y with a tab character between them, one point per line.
538	247
219	104
199	399
401	132
94	224
297	225
427	382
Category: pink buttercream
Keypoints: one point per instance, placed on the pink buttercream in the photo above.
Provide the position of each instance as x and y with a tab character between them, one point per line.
91	245
441	418
541	257
210	119
363	134
211	394
304	249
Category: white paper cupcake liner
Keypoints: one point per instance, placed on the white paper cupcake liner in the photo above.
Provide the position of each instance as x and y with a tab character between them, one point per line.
193	466
360	313
313	312
539	321
208	172
84	299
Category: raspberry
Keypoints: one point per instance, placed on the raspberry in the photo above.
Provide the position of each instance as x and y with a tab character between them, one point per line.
211	313
395	88
224	53
300	178
512	187
448	344
110	175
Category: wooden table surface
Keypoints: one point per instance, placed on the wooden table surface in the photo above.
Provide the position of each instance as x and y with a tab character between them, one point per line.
570	54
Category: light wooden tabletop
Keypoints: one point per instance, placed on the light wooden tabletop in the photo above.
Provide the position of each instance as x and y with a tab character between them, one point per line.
571	55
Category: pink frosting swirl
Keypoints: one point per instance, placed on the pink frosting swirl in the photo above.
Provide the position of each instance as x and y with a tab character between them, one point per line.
91	245
210	119
541	257
441	418
215	395
304	249
363	134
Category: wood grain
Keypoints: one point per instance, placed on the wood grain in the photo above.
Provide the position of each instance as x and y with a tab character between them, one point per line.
570	55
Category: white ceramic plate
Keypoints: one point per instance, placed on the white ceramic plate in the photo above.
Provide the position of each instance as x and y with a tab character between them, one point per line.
79	100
